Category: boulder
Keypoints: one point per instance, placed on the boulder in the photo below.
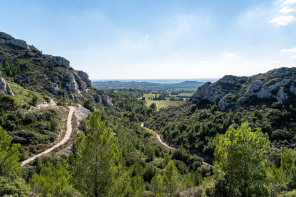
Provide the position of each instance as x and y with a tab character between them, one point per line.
5	87
70	83
61	61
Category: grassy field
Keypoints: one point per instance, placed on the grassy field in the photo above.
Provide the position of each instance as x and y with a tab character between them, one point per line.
163	104
186	94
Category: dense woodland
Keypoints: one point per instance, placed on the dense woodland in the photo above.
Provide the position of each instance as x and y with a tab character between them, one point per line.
244	151
114	156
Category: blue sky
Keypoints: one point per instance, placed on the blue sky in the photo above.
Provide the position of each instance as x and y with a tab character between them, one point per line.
139	39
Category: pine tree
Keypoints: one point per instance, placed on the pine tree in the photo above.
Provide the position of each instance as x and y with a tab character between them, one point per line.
241	161
98	169
171	178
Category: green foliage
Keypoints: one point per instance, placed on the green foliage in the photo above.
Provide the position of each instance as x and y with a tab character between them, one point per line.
14	186
9	159
34	100
171	178
153	106
98	169
53	180
8	103
157	184
241	162
88	105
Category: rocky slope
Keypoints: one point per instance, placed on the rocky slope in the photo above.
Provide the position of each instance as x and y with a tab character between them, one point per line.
25	65
278	85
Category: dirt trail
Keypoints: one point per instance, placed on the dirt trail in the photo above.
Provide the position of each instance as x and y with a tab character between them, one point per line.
158	138
164	144
63	141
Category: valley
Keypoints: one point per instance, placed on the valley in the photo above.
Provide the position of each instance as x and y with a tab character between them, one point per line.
62	135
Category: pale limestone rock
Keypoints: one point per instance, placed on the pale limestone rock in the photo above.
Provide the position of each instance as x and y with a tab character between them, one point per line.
18	43
5	87
84	77
61	61
281	96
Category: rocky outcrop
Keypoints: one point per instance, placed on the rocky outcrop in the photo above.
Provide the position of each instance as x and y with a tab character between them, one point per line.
6	36
231	92
84	77
8	39
69	82
60	82
18	43
61	61
5	87
54	88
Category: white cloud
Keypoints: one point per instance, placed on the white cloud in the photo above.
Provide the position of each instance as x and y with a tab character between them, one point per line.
146	36
291	50
293	57
283	20
231	55
286	10
289	2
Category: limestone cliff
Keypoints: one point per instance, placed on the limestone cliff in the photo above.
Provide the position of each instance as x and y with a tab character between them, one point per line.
27	65
278	85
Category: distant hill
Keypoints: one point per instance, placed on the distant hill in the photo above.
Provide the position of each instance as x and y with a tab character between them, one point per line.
116	85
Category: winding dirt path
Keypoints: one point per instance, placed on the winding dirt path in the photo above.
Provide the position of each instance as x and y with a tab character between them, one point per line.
63	141
158	137
164	144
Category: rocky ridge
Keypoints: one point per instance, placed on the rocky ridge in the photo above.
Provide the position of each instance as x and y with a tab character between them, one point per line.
278	85
46	72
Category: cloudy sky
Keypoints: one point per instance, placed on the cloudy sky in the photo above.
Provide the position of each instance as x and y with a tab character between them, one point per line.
142	39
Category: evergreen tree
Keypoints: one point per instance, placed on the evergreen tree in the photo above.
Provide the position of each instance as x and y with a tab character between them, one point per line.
171	178
98	169
11	183
9	156
241	162
53	180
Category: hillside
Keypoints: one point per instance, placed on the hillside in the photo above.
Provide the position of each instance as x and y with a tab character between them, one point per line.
265	100
28	67
230	92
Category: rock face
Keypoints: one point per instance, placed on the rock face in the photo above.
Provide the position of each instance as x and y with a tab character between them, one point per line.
8	39
6	36
5	87
231	92
18	43
61	61
70	83
60	82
